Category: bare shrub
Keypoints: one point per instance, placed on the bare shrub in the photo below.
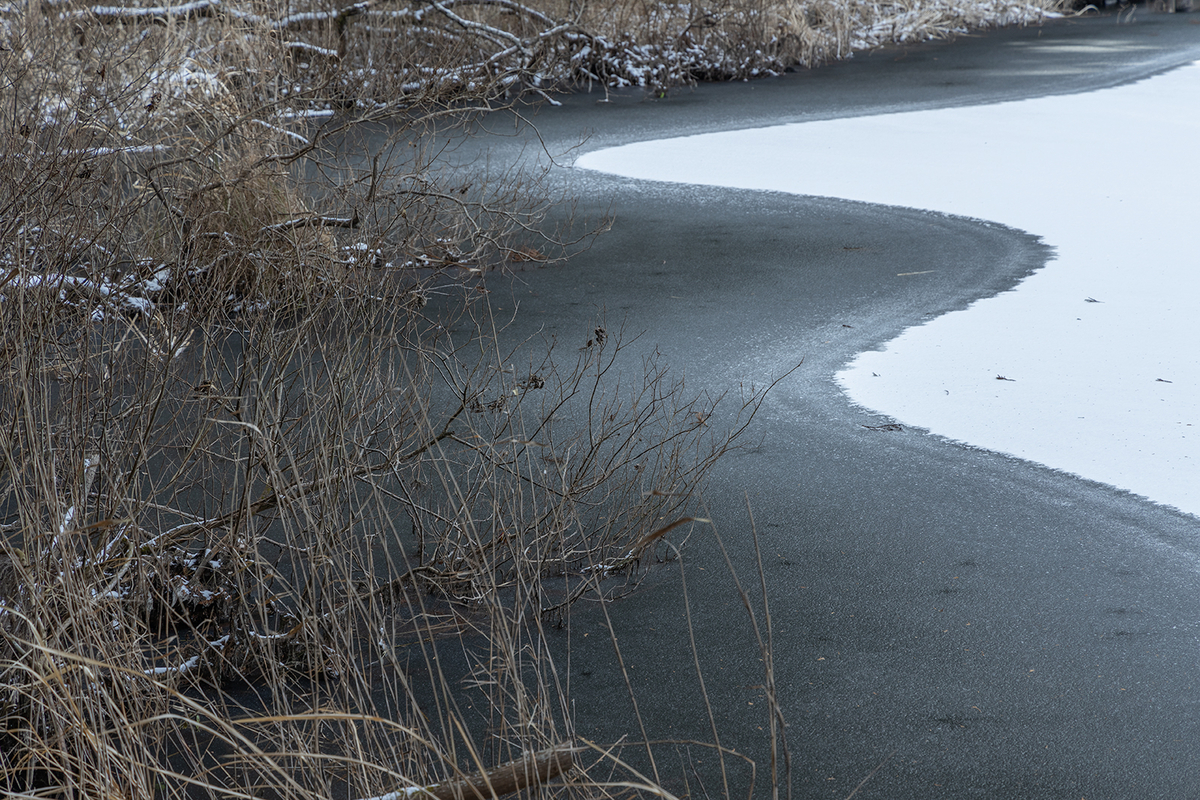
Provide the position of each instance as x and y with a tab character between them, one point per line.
372	54
280	515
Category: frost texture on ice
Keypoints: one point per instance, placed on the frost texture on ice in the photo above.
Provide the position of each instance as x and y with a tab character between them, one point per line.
1098	346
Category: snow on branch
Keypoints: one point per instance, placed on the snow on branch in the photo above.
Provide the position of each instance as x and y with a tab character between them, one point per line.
113	14
477	27
212	8
517	8
313	222
311	49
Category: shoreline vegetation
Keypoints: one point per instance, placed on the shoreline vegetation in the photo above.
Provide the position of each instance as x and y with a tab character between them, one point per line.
281	515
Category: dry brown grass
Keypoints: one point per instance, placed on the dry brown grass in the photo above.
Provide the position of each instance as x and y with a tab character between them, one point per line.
280	516
380	53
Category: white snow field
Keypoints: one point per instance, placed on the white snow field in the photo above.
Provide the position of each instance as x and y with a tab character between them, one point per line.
1101	348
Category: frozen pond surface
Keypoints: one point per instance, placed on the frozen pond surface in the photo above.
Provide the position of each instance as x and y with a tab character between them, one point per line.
1089	365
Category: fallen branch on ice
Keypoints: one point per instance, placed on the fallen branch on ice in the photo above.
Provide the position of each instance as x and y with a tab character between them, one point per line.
513	776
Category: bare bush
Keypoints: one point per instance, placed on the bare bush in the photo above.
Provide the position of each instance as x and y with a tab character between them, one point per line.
376	53
263	456
280	516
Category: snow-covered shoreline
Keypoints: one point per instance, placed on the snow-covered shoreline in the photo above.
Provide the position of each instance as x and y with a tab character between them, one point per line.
1087	366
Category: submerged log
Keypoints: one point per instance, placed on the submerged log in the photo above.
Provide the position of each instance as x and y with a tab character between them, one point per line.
513	776
533	769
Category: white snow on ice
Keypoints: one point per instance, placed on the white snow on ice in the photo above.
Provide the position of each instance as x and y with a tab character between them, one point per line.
1107	390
